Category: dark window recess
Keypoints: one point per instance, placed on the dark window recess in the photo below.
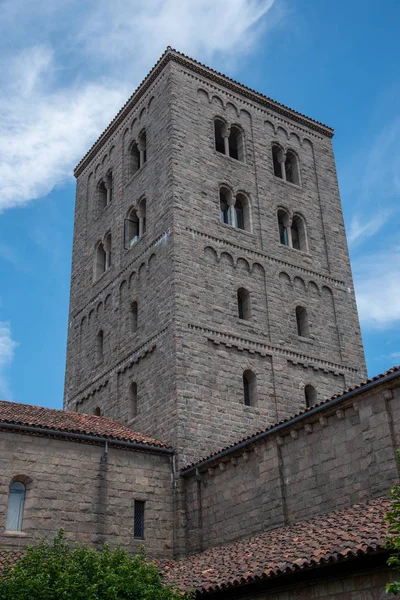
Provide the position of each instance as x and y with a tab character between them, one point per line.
246	391
138	524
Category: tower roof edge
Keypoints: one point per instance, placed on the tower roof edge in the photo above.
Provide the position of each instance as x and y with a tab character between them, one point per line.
209	73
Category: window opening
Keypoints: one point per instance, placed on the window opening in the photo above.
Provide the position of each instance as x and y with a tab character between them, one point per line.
243	300
283	232
134	316
239	214
249	388
99	345
295	236
138	526
102	195
15	511
97	411
225	213
311	395
133	399
292	168
277	157
236	144
302	322
219	129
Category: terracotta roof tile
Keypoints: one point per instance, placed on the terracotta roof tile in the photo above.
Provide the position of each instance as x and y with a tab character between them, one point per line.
9	557
63	420
358	386
324	539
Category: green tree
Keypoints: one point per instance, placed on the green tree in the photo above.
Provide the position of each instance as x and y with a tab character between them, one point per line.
393	540
57	571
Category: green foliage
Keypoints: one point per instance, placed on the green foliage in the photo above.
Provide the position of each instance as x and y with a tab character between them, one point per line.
393	540
57	571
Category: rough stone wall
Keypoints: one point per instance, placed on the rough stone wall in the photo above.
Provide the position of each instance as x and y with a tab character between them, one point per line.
71	485
186	270
142	273
214	260
340	456
367	585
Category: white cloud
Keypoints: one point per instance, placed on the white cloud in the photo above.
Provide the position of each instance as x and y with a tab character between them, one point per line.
360	231
7	348
50	115
377	285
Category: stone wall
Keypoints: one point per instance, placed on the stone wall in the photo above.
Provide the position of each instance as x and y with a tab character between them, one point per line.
185	272
71	485
367	585
337	457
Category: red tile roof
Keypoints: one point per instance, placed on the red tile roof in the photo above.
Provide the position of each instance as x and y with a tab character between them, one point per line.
65	421
249	439
324	539
9	557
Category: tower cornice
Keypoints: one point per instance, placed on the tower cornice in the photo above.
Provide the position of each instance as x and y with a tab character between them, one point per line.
200	69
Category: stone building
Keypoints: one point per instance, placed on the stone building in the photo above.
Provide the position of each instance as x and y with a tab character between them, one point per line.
212	300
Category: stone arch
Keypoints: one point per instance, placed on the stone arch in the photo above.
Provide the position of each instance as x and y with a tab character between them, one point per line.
132	279
313	289
142	113
203	96
99	309
150	104
151	261
217	101
231	110
210	255
295	138
123	288
103	161
133	124
285	279
299	285
257	268
107	302
243	264
283	131
270	127
141	269
245	116
227	259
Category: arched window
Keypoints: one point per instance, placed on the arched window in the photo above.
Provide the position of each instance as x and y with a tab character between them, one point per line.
97	411
220	134
311	395
299	238
107	248
225	212
102	195
243	302
302	322
283	222
15	511
142	145
109	186
131	228
100	265
249	388
242	212
278	160
134	316
236	149
100	345
292	168
134	158
133	400
142	217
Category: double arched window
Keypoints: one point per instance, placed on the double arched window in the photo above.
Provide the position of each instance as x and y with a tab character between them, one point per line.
228	140
234	210
286	164
292	231
16	503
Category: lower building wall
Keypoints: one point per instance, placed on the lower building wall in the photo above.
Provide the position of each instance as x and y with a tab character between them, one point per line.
343	455
363	586
89	494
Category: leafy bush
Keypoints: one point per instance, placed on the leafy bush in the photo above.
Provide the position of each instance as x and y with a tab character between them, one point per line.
57	571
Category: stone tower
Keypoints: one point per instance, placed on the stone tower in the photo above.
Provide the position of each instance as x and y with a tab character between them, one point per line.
211	289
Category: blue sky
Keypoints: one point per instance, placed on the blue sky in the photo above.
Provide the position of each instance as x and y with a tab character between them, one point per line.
66	68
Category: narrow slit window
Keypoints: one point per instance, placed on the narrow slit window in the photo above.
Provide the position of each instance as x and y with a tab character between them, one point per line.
138	520
249	388
302	322
133	400
219	128
99	346
134	316
311	395
243	301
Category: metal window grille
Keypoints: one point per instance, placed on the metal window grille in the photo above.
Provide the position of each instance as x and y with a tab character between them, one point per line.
138	520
